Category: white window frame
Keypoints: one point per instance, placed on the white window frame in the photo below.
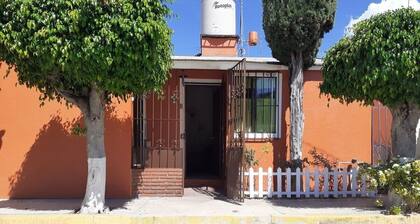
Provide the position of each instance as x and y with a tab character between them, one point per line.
277	134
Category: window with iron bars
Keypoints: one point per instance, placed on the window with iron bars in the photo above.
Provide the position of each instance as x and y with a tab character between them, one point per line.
262	105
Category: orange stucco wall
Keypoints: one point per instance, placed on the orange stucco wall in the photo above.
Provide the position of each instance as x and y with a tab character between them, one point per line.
341	131
40	158
338	131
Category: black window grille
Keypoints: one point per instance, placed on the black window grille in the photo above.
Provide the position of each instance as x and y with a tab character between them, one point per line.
262	105
138	151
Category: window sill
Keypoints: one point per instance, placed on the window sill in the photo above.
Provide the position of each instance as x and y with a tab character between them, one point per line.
261	136
258	136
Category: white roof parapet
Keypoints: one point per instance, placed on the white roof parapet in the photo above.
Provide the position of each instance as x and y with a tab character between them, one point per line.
227	63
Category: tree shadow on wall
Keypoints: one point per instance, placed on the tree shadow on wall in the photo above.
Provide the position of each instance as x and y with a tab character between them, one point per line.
2	133
55	166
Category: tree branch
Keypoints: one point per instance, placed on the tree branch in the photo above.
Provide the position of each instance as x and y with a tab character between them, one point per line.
79	101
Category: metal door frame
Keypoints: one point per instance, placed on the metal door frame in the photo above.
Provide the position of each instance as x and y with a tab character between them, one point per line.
183	81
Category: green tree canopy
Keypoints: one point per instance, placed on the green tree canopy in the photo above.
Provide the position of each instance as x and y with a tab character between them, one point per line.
297	26
121	46
379	61
86	52
293	30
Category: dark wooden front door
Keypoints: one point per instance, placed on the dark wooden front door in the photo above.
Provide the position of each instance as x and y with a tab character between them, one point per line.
203	124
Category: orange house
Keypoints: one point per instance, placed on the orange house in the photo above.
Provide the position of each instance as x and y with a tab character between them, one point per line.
187	136
213	109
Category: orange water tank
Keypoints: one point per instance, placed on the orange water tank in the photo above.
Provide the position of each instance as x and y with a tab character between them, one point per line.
253	38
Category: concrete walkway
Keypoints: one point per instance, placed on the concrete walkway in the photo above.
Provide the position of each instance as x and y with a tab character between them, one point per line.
199	204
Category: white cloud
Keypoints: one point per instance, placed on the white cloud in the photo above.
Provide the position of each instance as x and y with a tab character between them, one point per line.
377	8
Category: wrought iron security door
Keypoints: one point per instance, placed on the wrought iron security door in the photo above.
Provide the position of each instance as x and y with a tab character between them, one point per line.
236	87
156	129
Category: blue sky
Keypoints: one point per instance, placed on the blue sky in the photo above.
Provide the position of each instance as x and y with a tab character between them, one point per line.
187	25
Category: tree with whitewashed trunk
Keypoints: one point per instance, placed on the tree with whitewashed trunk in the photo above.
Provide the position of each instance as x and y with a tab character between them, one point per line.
294	30
87	52
380	61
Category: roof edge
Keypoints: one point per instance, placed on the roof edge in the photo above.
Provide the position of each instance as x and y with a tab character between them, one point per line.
269	61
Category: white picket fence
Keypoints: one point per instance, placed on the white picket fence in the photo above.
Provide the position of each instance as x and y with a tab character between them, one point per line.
308	183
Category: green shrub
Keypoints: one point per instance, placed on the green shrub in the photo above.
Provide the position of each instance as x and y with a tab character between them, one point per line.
395	210
401	176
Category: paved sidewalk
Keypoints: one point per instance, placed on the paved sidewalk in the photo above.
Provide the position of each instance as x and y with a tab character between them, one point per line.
204	203
198	202
201	206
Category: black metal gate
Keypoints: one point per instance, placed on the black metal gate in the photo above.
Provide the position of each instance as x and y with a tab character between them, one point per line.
235	136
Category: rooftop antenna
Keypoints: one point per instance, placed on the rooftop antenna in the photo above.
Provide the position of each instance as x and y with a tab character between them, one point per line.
241	27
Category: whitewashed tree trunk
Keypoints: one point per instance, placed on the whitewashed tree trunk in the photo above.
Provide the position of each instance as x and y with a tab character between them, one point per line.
404	127
296	107
92	104
94	200
418	141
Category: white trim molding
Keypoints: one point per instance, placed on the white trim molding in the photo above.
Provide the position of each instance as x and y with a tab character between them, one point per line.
202	81
227	63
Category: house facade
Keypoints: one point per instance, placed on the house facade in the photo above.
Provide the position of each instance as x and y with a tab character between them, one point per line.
157	144
214	110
